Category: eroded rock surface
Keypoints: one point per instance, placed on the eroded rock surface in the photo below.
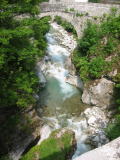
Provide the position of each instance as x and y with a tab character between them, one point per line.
100	93
97	122
22	137
110	151
60	145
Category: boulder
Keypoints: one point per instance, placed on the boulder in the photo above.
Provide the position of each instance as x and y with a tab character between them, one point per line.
96	118
99	93
60	145
75	81
110	151
42	79
27	133
97	121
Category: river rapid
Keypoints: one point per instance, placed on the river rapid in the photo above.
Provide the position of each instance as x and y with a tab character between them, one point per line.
59	102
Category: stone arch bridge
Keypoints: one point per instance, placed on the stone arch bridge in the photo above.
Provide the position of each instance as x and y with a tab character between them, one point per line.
75	12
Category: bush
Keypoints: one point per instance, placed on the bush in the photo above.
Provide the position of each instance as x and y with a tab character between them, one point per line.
66	25
98	42
113	129
94	1
90	38
22	43
96	67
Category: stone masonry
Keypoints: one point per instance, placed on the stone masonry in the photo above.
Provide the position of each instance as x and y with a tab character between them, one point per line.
86	11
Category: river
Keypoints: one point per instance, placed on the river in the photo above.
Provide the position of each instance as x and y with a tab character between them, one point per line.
59	102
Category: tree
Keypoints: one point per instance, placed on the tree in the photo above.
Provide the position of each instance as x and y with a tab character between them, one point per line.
22	42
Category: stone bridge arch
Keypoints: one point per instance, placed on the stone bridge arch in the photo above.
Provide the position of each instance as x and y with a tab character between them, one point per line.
88	11
77	22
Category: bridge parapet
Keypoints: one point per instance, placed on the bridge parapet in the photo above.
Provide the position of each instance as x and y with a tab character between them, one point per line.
92	10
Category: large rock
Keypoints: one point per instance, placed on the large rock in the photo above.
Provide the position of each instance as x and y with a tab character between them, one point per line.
27	133
59	146
97	122
100	93
96	118
75	81
42	78
110	151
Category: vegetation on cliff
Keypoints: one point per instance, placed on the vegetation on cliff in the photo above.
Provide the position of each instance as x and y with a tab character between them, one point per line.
98	53
59	146
22	43
66	25
95	1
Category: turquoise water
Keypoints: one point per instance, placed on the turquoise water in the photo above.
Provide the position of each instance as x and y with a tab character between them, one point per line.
59	102
58	97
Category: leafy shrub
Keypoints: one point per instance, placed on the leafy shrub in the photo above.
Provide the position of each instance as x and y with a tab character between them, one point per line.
98	42
90	38
66	25
94	1
113	129
72	9
96	67
22	43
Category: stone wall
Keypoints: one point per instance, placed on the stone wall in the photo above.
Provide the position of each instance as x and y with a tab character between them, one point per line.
89	11
93	9
79	24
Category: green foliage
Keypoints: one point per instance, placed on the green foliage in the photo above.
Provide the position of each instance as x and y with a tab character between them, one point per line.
113	129
22	43
90	38
94	1
81	14
96	67
66	25
72	9
66	10
98	42
52	148
5	158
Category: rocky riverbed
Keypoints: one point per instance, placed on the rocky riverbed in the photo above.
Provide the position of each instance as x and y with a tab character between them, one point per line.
90	122
64	102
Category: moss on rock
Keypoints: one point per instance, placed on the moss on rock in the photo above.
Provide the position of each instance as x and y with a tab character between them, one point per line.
59	146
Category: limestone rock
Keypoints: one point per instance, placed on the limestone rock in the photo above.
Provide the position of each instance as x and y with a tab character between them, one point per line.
44	133
22	139
95	117
62	140
100	93
75	81
110	151
42	79
97	121
113	73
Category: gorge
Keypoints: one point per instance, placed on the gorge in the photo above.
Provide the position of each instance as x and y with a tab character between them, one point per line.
59	103
60	81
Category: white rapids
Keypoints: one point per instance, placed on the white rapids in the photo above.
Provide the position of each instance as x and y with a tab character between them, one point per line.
61	100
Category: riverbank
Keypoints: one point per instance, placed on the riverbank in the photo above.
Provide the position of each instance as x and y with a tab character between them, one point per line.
59	103
56	108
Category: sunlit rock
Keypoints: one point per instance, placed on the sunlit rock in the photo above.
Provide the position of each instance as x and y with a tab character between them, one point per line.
100	93
110	151
97	121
